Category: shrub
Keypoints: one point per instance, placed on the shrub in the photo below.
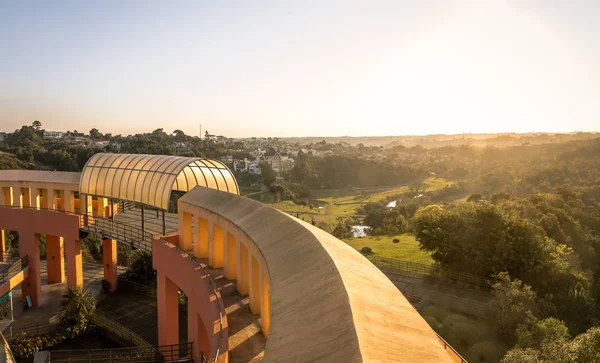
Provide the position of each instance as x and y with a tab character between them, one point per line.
464	332
366	249
487	351
433	322
395	240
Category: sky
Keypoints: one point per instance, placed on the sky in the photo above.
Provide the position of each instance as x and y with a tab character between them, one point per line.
301	68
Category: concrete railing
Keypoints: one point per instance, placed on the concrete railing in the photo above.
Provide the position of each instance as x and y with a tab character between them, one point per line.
318	299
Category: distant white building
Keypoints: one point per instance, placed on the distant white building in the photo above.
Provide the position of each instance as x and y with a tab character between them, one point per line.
3	136
252	167
53	135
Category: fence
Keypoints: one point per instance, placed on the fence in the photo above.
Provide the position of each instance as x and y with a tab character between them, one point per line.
434	271
120	330
167	353
16	330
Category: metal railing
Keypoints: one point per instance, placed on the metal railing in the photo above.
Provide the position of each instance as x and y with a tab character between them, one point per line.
120	330
13	270
165	353
106	227
215	292
434	271
451	350
16	330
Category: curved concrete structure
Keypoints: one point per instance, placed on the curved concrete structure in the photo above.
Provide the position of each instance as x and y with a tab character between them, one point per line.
318	299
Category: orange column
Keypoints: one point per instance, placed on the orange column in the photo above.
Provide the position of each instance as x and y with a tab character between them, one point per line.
74	264
185	230
50	201
2	246
168	310
109	256
216	247
265	318
243	273
17	197
255	293
55	257
29	245
34	198
68	200
101	204
200	237
230	257
7	193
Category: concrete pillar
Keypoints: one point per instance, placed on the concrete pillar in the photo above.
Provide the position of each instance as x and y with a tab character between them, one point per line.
74	264
200	237
29	245
243	272
109	257
230	257
255	293
26	199
34	198
68	200
17	197
185	230
2	246
55	259
168	310
86	204
265	319
50	201
7	196
101	205
216	251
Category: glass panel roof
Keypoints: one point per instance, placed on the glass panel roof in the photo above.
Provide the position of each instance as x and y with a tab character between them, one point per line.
153	177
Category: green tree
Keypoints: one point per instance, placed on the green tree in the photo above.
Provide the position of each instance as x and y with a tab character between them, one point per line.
95	134
513	302
267	173
36	125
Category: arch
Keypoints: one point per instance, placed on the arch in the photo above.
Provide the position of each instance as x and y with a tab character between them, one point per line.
149	179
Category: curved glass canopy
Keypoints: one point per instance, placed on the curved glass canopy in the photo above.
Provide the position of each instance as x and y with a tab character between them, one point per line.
149	179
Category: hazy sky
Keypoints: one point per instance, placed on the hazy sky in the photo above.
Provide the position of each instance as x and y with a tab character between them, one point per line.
299	68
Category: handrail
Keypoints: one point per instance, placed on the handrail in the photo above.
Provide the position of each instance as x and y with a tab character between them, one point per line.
446	346
106	227
17	266
120	330
215	292
163	353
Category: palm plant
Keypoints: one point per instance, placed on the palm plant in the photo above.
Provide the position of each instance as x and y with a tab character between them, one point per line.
77	307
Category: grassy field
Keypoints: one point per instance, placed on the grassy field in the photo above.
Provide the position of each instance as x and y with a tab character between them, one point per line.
336	204
406	249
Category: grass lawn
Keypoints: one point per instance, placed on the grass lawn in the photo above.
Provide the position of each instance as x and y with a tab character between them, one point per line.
406	249
344	209
335	206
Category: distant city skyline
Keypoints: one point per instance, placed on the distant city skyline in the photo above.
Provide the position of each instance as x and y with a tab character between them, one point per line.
290	69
